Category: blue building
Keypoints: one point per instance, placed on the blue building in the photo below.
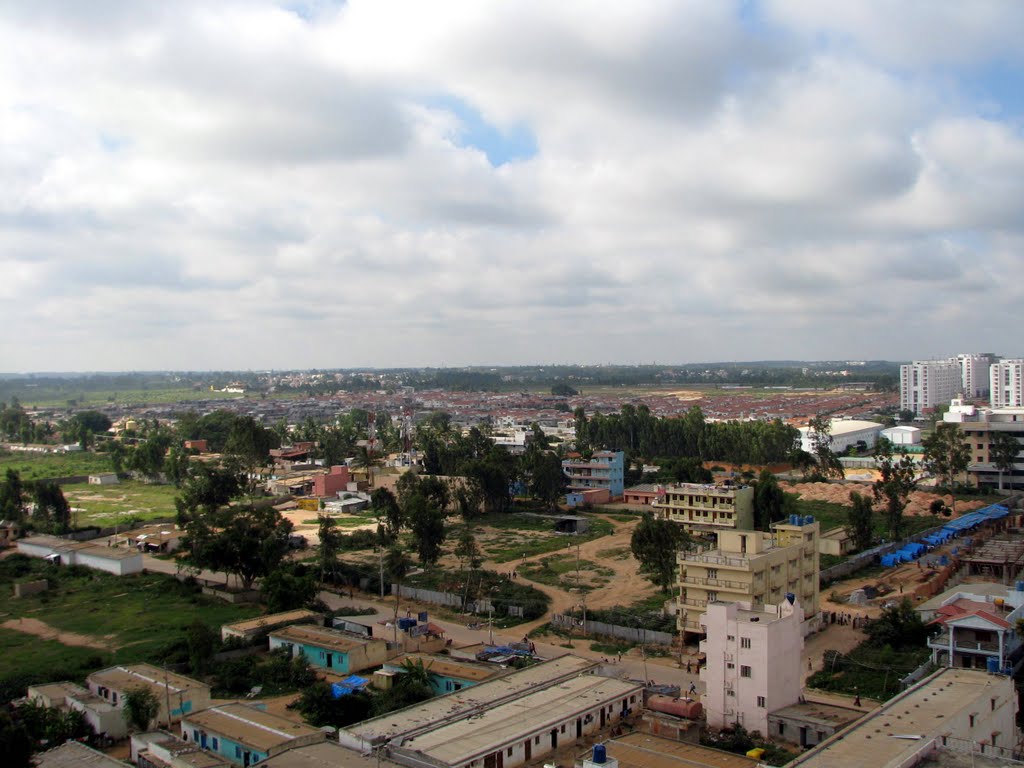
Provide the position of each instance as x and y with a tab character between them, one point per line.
603	471
245	735
447	675
330	649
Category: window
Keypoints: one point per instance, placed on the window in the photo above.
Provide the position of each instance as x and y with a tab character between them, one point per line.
971	719
712	596
730	665
536	740
744	642
731	692
731	638
215	743
508	752
761	702
712	573
238	751
744	671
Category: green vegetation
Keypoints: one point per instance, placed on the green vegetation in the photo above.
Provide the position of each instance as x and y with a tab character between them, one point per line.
503	592
106	505
895	647
38	466
831	515
509	546
133	618
738	741
560	571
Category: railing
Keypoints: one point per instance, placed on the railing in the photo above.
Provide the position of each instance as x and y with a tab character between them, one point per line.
694	603
941	643
716	582
733	562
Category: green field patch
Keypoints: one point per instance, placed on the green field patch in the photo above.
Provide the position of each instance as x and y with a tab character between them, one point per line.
618	553
38	466
561	571
137	618
106	505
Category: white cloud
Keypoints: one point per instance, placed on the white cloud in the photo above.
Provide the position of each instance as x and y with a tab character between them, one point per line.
240	185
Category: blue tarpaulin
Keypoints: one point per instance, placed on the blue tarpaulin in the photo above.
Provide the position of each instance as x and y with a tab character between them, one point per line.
350	684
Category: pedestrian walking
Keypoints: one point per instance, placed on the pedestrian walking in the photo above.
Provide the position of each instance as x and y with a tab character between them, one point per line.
693	688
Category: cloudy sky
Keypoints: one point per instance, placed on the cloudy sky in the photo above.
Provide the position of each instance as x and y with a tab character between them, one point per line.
196	185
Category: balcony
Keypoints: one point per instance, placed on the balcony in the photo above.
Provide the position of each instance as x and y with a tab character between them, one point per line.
694	603
985	647
720	583
716	558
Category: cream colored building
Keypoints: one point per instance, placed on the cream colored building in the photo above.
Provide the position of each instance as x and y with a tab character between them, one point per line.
753	662
965	711
755	567
707	508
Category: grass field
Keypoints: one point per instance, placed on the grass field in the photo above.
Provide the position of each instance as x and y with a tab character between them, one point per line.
137	618
55	399
513	544
36	466
106	505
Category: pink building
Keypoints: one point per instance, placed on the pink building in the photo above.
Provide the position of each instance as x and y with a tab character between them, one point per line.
337	479
753	662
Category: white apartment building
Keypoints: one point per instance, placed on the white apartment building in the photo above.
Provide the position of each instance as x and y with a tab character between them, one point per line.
927	384
1005	384
974	373
753	661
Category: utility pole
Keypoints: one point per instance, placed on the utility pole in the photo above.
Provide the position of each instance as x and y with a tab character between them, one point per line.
167	694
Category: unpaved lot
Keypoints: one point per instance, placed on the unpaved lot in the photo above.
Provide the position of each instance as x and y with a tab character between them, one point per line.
46	632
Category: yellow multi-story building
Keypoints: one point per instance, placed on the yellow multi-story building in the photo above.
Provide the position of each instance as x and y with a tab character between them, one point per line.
707	508
755	567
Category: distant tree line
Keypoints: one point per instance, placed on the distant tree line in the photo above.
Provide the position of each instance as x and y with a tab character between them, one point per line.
640	434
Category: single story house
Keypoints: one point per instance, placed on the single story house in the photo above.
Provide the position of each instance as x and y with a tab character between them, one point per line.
71	754
331	649
446	674
182	693
644	494
244	734
104	478
102	716
250	630
115	560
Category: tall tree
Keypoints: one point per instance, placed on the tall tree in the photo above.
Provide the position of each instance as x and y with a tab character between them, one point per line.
52	510
946	454
397	566
820	436
896	482
140	707
12	497
470	559
769	501
655	543
1003	449
859	521
330	545
249	542
547	480
427	524
388	511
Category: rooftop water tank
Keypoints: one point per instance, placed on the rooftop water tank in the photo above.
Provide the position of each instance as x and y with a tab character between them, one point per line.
599	753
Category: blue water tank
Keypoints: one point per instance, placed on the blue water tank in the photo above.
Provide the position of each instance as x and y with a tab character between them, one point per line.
599	753
993	665
809	519
1019	586
791	597
794	519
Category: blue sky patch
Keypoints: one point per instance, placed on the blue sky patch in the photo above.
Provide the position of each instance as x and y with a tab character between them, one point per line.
501	145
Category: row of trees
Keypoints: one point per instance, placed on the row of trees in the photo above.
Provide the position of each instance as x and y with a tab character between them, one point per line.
640	434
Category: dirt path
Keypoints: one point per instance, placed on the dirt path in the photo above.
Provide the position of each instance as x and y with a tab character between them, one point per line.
46	632
626	586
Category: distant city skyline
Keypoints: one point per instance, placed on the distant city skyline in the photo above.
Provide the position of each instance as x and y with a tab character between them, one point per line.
402	183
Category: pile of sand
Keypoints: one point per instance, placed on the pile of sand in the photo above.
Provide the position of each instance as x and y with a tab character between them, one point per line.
837	493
